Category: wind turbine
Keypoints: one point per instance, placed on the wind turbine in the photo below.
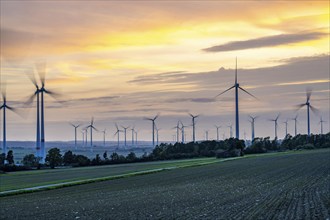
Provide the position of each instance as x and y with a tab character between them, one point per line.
217	127
104	132
117	133
275	122
193	117
252	125
321	122
83	137
157	130
182	131
295	125
286	127
309	106
4	107
153	128
75	134
206	135
86	131
236	86
91	126
231	130
132	129
136	139
177	131
41	68
125	130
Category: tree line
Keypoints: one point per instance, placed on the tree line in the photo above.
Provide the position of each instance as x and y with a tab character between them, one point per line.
231	147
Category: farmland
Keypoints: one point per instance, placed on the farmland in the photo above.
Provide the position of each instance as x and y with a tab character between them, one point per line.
279	186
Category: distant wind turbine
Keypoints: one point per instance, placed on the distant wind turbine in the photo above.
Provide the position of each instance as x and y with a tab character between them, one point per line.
217	127
309	106
91	126
286	127
75	134
182	131
132	129
275	122
252	121
236	86
125	132
153	128
104	132
206	135
157	133
193	117
177	131
136	137
4	107
295	125
321	122
231	130
117	133
83	137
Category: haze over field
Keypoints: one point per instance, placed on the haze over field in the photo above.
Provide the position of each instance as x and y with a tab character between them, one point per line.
122	61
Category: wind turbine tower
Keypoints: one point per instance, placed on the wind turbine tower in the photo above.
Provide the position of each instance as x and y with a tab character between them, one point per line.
321	122
236	86
193	117
153	128
309	106
125	130
275	123
217	127
252	126
286	127
75	134
295	125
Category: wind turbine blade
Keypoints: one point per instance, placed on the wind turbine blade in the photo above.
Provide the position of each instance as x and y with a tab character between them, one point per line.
150	119
52	94
224	91
315	110
278	116
297	107
308	93
30	74
156	117
30	99
41	68
248	93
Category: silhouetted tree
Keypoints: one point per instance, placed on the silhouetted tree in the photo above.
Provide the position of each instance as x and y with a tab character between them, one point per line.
10	157
68	158
54	157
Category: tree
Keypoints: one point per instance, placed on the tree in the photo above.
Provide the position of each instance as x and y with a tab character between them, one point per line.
68	158
105	155
114	156
54	157
2	158
10	157
30	160
131	157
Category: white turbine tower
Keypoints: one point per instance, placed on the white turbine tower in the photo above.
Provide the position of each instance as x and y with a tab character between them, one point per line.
153	128
206	135
182	131
75	134
230	130
321	123
132	129
104	132
4	107
125	132
117	133
217	127
193	117
275	123
177	127
157	133
252	126
295	124
286	127
91	126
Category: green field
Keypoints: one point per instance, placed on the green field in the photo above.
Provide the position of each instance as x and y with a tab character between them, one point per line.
27	179
278	186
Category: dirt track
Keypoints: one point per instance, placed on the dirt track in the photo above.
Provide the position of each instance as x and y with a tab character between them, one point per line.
294	186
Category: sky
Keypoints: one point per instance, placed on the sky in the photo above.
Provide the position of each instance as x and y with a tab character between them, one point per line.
121	61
